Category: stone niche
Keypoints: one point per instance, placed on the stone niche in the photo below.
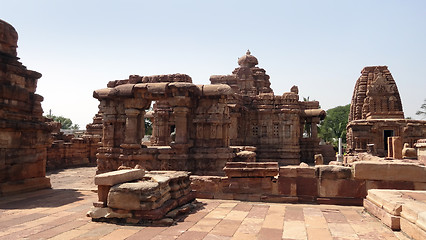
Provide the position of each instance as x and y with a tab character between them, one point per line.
376	116
199	128
24	135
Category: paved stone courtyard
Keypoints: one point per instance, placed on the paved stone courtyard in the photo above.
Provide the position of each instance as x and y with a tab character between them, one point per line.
60	213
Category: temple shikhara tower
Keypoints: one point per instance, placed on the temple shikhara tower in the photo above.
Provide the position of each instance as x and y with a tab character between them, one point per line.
199	128
376	117
282	128
24	135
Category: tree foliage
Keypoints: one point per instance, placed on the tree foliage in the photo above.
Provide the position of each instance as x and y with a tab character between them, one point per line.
333	126
66	123
422	111
148	127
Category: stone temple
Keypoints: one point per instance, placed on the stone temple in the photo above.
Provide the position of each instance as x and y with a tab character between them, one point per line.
24	135
199	128
376	117
233	139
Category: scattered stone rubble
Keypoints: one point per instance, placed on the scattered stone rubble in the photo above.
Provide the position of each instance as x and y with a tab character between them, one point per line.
24	135
136	196
67	150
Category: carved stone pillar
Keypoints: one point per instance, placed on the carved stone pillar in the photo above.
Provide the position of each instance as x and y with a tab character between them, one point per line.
131	132
181	123
314	128
108	130
162	134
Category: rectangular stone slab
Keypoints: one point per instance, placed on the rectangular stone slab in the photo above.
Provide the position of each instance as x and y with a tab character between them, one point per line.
390	201
119	176
389	171
389	220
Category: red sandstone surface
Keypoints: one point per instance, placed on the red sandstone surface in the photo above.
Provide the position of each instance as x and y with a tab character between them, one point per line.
59	213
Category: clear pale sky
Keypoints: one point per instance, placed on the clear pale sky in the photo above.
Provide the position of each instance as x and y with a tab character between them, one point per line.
320	46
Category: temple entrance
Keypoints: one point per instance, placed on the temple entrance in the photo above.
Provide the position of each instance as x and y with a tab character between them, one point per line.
386	135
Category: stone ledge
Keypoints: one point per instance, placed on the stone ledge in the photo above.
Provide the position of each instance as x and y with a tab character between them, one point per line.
415	212
119	176
412	230
386	218
399	209
251	169
389	171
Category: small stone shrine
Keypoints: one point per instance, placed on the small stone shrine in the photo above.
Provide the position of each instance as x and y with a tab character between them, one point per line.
24	135
376	116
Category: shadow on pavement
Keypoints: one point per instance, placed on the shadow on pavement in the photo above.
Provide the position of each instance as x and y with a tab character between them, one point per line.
42	198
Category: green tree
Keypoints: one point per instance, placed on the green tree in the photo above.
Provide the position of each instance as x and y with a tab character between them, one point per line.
66	123
148	127
422	111
333	126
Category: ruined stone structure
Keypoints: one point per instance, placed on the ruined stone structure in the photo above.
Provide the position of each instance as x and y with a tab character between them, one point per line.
67	150
136	196
195	126
376	115
329	184
179	104
24	135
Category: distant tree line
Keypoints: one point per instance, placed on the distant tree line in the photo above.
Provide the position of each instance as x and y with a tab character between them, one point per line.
66	123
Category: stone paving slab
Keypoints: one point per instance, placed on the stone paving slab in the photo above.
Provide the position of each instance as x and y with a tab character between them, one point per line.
60	213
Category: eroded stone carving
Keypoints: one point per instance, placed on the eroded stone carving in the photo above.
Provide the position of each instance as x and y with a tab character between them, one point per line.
376	115
194	126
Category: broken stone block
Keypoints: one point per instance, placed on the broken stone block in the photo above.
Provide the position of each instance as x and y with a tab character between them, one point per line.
106	212
142	195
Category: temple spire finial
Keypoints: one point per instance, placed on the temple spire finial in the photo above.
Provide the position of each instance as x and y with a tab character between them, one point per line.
248	52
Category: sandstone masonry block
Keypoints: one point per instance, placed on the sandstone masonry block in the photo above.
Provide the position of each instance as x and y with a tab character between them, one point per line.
334	172
390	171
